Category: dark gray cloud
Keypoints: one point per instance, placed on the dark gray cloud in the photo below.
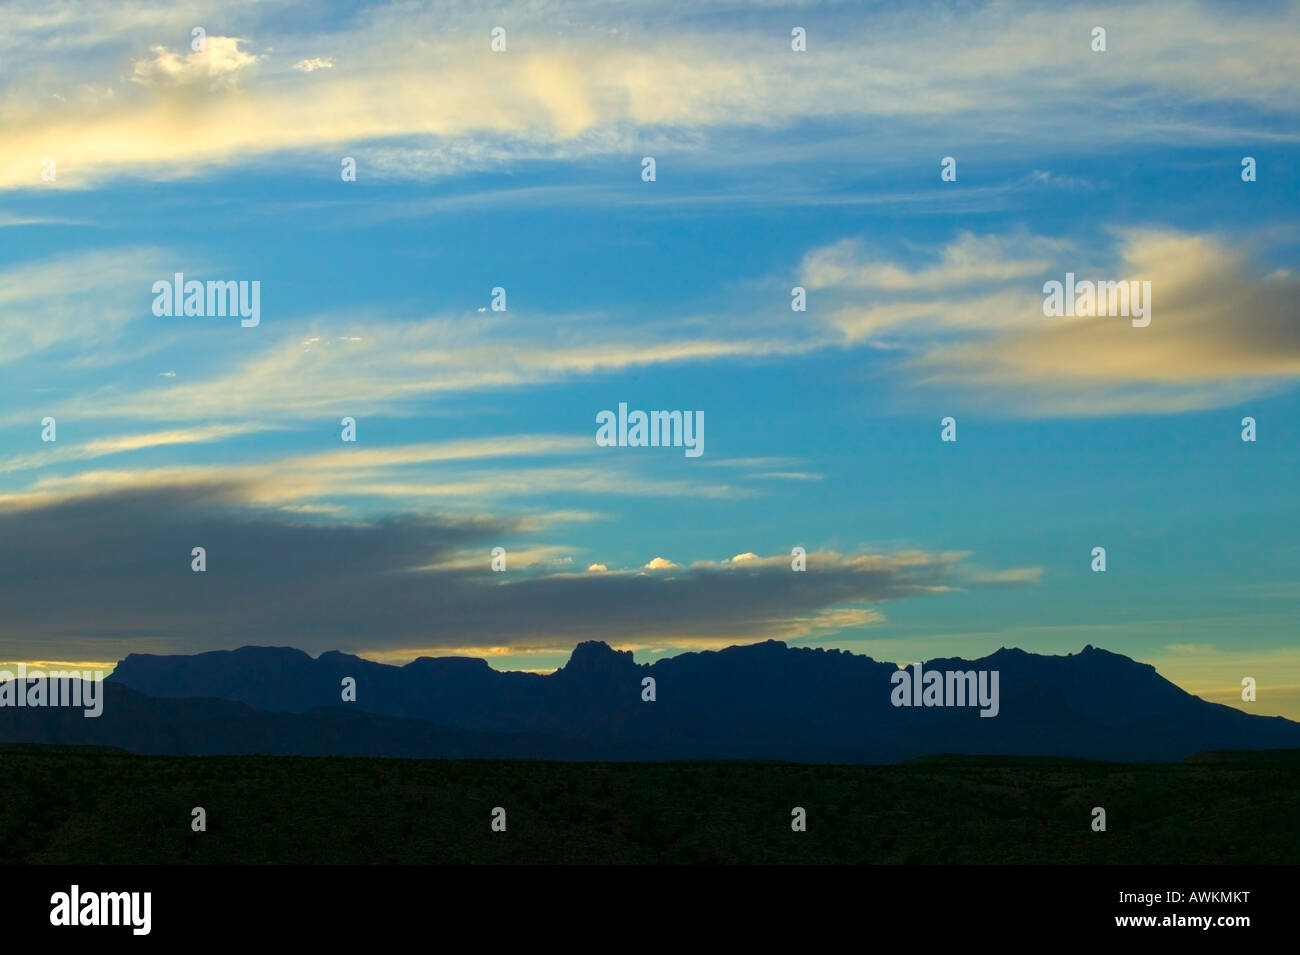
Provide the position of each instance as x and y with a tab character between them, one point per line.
96	576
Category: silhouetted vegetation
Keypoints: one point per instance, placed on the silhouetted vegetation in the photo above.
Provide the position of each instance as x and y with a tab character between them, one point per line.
86	805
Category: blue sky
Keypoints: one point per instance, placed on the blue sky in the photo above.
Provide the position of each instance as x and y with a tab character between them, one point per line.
774	169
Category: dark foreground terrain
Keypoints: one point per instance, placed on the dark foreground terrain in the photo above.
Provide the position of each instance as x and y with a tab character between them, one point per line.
86	805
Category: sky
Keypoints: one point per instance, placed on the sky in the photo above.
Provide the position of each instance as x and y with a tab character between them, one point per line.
128	155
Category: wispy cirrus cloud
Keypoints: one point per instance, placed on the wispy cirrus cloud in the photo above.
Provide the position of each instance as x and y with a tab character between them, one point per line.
413	474
970	320
126	443
428	77
72	302
384	366
968	259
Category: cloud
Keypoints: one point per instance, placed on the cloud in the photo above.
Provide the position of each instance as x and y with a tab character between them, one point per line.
1222	329
470	471
217	65
1222	326
103	571
124	443
11	221
313	64
79	300
969	320
1015	575
386	366
967	259
421	79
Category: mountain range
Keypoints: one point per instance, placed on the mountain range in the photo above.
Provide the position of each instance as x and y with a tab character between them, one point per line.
759	701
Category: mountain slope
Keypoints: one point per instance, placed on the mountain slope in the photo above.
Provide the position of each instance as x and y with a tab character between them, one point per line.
760	701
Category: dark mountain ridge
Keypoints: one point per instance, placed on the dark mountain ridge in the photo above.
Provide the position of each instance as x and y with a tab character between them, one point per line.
757	701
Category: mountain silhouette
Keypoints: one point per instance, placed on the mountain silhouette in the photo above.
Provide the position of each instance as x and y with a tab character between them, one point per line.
757	701
203	727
